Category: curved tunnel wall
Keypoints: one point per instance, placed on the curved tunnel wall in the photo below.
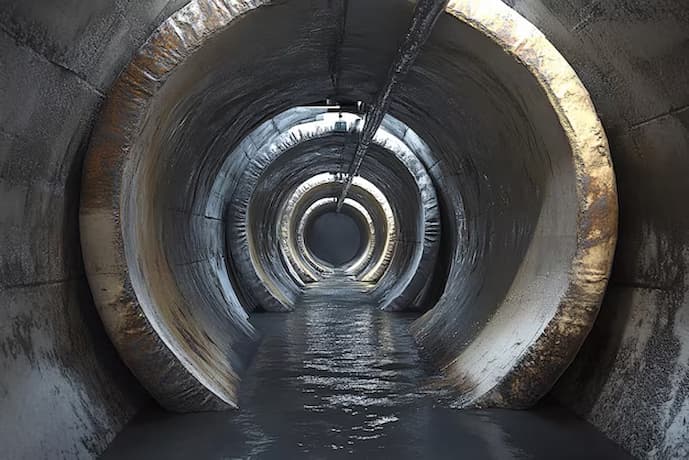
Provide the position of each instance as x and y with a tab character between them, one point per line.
630	378
537	188
293	161
642	324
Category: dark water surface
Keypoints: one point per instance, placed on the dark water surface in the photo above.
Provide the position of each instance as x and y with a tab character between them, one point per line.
339	378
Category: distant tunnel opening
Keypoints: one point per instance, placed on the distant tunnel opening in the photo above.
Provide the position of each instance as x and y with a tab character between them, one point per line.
335	238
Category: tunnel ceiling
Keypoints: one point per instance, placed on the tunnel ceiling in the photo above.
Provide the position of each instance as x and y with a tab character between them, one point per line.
487	199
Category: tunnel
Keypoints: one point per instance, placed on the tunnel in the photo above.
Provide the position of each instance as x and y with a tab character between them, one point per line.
205	256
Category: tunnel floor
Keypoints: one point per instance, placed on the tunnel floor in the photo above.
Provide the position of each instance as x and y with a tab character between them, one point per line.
338	377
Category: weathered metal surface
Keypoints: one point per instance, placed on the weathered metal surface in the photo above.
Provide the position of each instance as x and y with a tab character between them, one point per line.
630	378
507	363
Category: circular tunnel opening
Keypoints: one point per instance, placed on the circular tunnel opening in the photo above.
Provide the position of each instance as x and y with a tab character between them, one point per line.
334	237
200	173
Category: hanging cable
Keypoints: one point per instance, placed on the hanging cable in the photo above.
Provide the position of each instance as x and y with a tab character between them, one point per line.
426	13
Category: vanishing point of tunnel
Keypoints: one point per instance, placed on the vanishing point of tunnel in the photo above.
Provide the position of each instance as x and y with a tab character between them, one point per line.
337	228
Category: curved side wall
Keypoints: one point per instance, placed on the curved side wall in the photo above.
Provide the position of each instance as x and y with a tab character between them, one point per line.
631	378
57	62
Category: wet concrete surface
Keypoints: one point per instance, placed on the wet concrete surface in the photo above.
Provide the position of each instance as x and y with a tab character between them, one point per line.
339	378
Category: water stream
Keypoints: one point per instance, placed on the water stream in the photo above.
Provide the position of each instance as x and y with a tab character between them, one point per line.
339	378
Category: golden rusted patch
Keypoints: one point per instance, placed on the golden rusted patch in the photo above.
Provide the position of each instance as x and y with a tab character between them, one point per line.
536	370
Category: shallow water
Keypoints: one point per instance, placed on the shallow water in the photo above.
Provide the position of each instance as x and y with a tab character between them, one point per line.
337	378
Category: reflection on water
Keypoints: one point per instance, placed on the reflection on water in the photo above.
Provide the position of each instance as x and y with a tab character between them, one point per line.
337	378
338	371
